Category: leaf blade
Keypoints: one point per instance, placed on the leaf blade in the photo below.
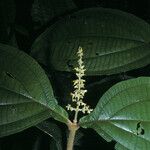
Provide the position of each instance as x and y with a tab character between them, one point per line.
112	40
46	10
25	92
122	113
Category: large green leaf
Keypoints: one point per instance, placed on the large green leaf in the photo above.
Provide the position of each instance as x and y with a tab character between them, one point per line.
26	96
45	10
123	115
113	42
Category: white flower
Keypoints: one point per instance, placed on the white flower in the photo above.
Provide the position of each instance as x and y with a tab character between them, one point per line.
79	87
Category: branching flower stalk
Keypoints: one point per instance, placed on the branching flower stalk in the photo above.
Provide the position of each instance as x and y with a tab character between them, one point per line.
77	98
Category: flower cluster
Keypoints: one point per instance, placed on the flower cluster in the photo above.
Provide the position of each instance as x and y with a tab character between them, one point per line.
79	87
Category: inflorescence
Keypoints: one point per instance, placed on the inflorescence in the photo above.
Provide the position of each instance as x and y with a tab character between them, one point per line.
79	88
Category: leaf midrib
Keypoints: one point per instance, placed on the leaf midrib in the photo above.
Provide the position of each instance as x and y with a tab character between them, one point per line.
20	129
21	119
32	99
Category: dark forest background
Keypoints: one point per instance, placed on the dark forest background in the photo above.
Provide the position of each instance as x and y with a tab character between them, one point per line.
19	28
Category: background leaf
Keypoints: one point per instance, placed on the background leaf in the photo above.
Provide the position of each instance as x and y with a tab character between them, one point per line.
26	96
7	19
37	143
52	130
45	10
122	114
113	42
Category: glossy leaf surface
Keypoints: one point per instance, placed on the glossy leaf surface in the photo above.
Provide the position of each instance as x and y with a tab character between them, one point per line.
123	115
26	95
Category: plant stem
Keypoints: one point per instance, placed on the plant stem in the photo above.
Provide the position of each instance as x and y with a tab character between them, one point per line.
76	115
73	127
